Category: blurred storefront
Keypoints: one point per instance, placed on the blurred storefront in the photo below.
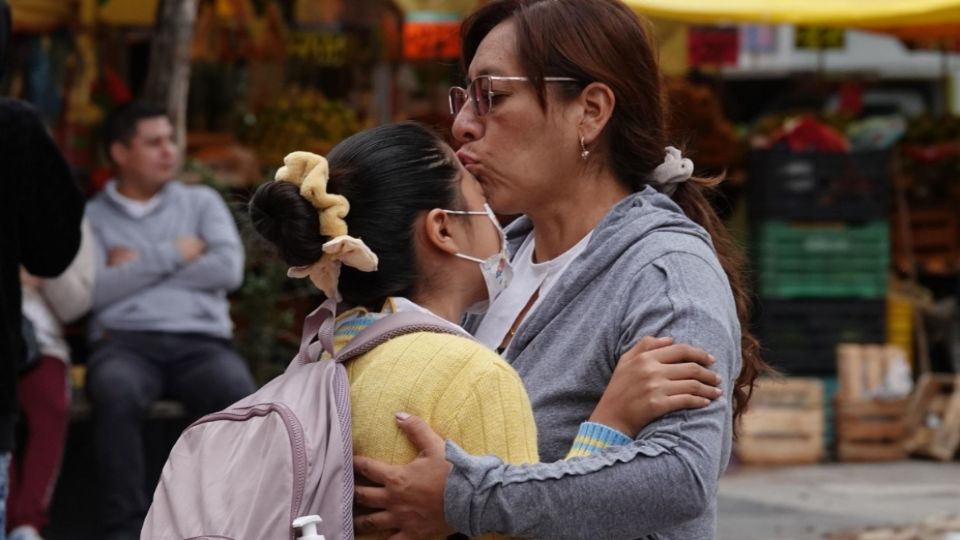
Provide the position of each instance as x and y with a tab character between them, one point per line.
266	76
835	124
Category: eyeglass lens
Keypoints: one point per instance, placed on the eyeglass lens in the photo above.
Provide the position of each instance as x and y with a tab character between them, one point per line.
478	91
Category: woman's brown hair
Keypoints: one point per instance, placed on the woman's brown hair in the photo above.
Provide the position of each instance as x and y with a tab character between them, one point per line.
605	41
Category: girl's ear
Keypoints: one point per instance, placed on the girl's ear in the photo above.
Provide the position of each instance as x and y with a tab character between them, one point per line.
436	231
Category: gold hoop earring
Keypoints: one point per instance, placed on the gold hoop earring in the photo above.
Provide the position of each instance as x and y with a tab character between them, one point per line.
584	153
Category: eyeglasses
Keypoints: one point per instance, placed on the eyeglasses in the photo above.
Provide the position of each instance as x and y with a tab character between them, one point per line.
480	92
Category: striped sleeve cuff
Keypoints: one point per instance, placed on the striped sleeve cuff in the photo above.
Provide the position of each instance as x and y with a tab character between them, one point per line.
594	437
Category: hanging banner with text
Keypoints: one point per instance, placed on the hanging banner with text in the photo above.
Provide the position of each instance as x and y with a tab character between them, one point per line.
431	35
325	49
819	38
713	46
759	38
945	45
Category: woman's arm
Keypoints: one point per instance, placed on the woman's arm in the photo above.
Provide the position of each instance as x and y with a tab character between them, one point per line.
652	379
70	295
668	476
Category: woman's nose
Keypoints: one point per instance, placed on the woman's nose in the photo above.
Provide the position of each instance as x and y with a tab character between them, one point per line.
467	126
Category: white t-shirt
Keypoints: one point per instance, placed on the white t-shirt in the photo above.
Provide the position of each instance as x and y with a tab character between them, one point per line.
134	208
528	278
401	304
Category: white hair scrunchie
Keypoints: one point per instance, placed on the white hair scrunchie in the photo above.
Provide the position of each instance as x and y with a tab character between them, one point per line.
674	170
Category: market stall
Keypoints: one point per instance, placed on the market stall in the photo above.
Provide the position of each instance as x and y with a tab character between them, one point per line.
852	188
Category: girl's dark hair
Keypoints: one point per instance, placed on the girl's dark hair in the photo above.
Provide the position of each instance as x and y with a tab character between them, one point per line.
605	41
390	175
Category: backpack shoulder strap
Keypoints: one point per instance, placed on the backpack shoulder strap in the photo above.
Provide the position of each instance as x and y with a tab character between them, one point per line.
321	324
393	326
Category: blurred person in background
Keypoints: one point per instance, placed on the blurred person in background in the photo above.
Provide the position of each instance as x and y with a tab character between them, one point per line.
167	256
44	389
40	214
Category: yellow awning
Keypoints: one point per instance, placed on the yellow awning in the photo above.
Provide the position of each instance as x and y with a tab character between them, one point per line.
842	13
459	7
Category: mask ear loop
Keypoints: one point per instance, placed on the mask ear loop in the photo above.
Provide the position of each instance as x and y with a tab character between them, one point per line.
496	225
487	211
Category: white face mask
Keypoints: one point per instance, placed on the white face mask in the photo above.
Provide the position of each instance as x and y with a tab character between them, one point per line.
496	269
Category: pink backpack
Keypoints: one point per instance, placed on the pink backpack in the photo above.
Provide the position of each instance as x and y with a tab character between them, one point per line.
282	453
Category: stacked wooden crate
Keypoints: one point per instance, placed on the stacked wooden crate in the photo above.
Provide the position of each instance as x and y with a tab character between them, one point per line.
933	417
932	238
784	424
870	420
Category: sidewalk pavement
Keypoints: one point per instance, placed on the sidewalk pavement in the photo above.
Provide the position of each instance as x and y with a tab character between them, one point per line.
806	503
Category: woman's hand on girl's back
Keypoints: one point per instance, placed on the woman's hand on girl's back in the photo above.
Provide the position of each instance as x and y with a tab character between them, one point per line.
406	501
655	378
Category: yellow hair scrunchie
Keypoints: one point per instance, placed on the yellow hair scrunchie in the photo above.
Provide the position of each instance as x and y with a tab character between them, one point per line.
311	173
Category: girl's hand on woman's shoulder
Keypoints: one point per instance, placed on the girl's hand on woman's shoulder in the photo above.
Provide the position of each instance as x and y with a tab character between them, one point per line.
655	378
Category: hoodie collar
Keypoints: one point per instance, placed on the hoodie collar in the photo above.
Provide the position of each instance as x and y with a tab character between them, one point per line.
624	226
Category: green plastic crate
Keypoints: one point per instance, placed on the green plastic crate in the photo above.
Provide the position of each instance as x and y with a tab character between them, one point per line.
823	261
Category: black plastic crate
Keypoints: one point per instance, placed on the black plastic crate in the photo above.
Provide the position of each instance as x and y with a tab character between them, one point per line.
801	336
813	186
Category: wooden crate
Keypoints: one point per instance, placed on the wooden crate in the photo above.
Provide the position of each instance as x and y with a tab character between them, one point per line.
784	424
933	235
862	369
870	430
933	417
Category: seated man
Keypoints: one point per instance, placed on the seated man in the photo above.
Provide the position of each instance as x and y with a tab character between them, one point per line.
160	326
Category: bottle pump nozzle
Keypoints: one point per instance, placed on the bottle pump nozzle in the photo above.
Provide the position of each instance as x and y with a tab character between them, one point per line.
308	527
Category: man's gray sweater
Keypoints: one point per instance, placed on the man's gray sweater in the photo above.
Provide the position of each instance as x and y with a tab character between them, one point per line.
160	291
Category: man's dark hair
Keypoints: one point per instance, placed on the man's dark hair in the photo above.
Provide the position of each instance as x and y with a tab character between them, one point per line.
121	124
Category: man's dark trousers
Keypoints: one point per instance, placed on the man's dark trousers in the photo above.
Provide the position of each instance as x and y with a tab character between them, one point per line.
127	371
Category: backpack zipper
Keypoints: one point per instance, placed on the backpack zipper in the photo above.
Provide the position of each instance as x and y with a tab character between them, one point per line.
294	431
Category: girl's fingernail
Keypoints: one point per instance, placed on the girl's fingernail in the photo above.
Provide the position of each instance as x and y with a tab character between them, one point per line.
402	416
712	359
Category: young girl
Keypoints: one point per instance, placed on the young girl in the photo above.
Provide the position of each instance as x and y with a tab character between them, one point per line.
404	227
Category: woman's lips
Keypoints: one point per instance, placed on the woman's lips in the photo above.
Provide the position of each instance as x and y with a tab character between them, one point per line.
466	158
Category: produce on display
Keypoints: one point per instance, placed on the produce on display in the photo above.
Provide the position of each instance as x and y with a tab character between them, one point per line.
303	120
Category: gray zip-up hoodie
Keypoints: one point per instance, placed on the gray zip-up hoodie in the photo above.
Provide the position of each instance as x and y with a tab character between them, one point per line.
647	271
160	291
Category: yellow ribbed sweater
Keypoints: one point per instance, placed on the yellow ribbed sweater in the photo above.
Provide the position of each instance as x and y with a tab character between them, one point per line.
466	392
